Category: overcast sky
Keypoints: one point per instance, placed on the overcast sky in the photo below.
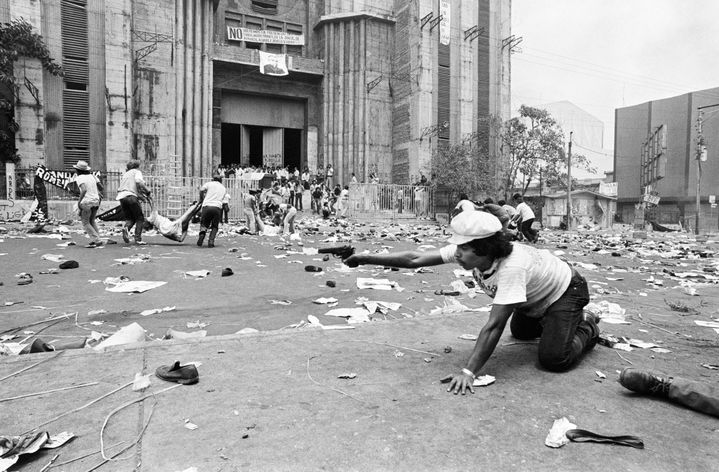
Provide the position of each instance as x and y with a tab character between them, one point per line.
605	54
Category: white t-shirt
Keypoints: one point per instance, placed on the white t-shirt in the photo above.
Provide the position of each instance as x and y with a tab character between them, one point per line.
128	183
465	205
88	182
525	212
533	278
215	193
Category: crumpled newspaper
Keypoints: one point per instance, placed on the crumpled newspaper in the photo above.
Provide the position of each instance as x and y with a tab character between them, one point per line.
557	436
609	312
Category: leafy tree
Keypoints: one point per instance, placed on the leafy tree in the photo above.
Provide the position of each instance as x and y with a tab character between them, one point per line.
17	39
468	167
533	143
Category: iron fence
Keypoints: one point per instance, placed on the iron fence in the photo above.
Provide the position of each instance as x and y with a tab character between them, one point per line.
390	201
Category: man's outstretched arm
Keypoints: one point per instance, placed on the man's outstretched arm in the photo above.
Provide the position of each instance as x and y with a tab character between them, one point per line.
404	259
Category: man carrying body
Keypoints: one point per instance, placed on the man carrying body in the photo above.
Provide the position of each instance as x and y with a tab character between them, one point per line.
211	194
542	294
132	189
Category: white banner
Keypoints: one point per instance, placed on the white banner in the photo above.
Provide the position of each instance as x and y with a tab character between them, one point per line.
609	188
273	64
264	36
444	25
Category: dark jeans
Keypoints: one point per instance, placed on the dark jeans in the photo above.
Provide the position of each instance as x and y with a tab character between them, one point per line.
564	334
133	214
210	218
698	396
529	233
225	212
298	201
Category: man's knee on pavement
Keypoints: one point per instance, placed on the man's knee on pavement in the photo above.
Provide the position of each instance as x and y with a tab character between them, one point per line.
556	361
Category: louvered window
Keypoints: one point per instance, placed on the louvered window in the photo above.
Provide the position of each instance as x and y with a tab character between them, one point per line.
443	82
75	98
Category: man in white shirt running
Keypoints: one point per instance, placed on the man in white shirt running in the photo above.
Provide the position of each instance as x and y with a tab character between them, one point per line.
211	194
542	294
526	215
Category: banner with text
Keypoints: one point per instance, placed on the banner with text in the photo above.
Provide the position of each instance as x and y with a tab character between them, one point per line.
264	36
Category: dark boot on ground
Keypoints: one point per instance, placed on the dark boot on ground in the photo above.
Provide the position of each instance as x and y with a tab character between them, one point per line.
645	382
201	238
211	240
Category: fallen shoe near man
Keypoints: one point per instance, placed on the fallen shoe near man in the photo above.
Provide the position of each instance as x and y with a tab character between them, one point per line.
182	374
698	396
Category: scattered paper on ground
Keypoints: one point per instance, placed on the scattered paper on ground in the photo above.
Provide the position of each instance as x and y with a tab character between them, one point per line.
131	333
155	311
376	284
353	315
557	436
135	286
483	381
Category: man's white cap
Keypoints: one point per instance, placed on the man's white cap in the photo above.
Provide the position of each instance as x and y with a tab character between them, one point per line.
470	225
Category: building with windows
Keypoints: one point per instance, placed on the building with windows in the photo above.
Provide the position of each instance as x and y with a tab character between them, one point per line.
369	87
655	154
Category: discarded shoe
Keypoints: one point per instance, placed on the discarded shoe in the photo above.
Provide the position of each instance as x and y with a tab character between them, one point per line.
226	272
25	279
69	265
311	268
331	283
186	374
642	381
126	235
37	346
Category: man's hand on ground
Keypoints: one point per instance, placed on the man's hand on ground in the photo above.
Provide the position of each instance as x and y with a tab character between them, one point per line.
459	383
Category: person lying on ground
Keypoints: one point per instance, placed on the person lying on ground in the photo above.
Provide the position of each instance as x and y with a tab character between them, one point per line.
172	229
699	396
542	294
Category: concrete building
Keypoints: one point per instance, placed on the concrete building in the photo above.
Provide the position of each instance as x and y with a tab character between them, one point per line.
588	137
655	152
371	87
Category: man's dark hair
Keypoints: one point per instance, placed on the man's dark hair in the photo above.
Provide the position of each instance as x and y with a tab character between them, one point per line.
517	196
488	200
463	196
501	203
497	246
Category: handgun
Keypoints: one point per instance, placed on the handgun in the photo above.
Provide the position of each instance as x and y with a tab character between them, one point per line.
343	252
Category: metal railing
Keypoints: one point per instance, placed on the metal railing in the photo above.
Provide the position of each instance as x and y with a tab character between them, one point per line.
390	201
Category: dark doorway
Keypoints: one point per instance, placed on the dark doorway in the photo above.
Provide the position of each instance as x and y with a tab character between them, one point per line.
255	133
230	143
293	149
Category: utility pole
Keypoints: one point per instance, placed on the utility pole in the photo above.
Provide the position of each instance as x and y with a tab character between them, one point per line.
701	156
569	183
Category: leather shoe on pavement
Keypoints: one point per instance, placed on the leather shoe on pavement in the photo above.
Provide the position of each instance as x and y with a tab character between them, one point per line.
642	381
186	374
